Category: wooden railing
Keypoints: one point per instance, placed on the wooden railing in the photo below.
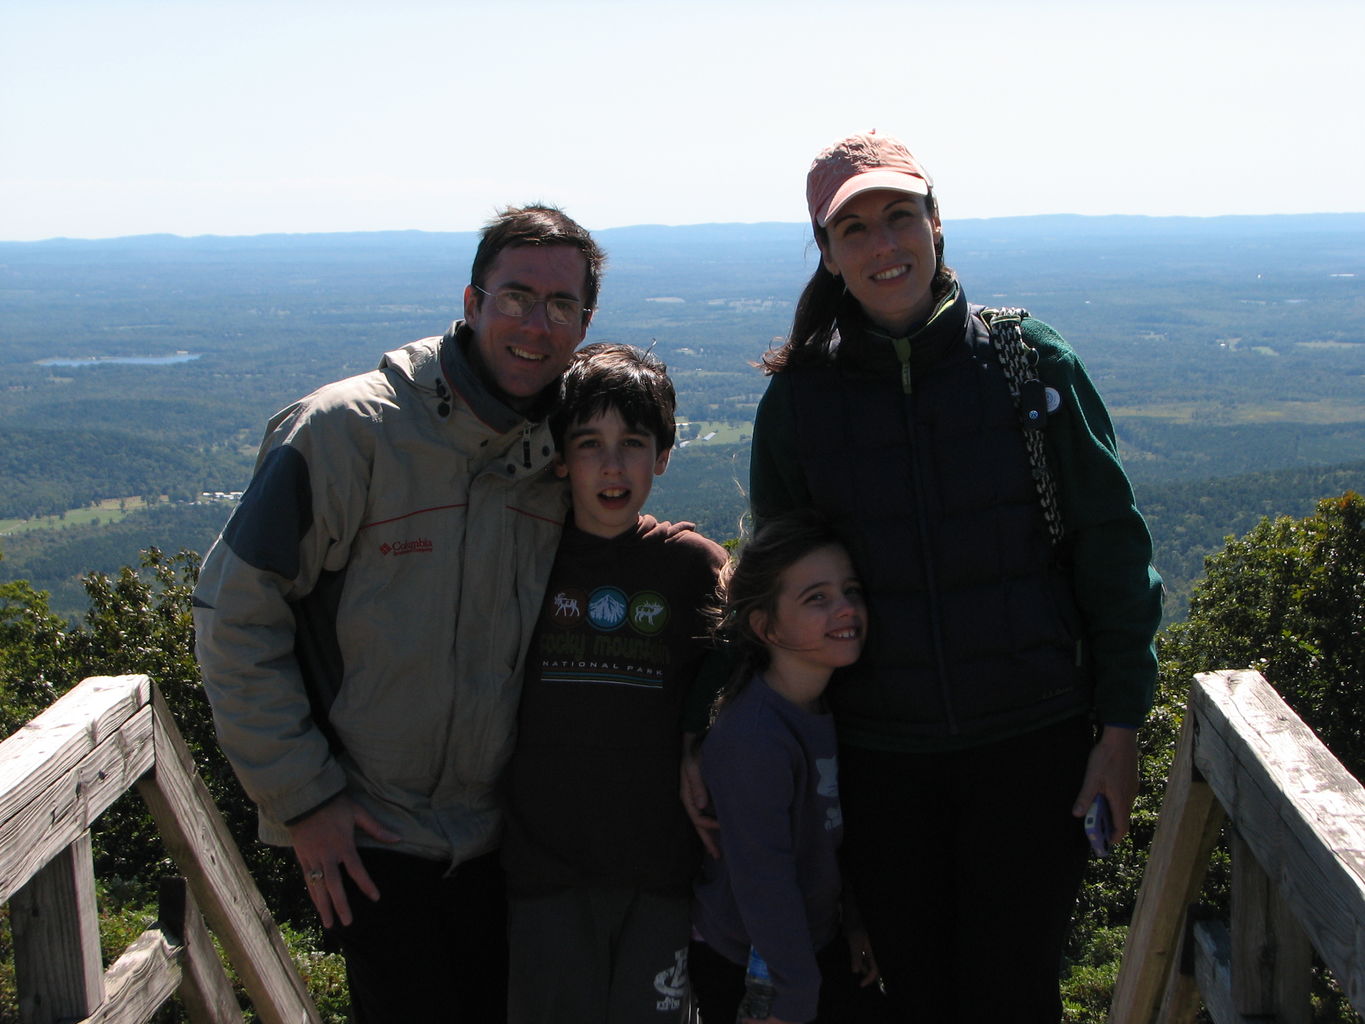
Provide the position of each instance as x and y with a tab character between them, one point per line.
1244	759
1296	819
57	775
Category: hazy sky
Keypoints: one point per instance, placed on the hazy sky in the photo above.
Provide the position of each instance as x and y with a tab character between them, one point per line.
120	117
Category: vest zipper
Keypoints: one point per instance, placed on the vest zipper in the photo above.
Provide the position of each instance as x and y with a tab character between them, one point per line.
927	552
902	346
526	445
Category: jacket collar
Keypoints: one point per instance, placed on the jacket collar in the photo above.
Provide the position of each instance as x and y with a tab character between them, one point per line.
460	375
861	346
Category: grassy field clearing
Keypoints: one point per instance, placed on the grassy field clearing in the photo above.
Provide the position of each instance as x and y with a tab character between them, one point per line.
1315	413
725	433
110	510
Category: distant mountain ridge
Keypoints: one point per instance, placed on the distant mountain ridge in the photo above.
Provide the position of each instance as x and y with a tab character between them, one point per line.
1068	225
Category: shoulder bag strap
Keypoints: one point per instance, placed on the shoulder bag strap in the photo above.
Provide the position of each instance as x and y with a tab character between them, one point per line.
1019	361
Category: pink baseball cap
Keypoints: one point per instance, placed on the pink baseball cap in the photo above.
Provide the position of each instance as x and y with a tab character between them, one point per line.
860	163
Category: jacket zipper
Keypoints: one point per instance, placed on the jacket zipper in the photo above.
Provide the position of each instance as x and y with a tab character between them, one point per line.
902	346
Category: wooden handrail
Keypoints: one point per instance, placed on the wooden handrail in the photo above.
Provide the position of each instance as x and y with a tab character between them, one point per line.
57	775
1297	819
1243	758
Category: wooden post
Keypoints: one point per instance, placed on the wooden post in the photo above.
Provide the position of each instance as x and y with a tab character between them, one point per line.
57	967
1180	1002
199	842
1213	971
205	989
1186	833
1272	960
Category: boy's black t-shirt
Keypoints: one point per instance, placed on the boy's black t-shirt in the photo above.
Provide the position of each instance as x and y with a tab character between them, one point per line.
592	788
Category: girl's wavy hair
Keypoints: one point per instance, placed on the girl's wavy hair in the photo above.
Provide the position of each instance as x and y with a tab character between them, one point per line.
752	582
817	310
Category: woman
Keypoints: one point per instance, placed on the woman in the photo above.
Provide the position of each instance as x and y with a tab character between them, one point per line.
1006	671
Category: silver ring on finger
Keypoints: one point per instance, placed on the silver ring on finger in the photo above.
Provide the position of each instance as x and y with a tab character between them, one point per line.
314	877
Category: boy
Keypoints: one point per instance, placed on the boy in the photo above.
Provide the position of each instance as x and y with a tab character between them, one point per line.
598	849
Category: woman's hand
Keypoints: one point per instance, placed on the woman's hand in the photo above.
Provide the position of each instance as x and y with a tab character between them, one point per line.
1113	771
862	960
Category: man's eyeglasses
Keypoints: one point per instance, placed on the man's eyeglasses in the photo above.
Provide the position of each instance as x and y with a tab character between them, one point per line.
517	303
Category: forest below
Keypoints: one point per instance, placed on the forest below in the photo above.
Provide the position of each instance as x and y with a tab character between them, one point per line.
1231	352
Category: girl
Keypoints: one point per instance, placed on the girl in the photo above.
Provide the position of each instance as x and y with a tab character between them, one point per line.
1011	658
794	608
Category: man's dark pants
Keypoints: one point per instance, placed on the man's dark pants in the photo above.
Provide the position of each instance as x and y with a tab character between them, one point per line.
433	948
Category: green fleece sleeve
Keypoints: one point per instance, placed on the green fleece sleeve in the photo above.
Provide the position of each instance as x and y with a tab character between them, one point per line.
776	483
1107	541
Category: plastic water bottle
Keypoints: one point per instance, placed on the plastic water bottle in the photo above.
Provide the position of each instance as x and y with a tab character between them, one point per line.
758	989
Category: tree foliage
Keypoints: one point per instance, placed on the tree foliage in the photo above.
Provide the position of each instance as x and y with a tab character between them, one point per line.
33	641
1288	599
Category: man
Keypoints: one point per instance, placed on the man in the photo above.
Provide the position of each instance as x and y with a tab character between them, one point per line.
363	620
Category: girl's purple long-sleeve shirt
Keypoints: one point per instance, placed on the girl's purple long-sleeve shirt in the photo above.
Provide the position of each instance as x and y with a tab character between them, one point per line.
772	772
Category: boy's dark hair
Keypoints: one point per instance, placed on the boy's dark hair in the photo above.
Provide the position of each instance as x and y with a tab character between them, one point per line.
632	381
752	582
537	224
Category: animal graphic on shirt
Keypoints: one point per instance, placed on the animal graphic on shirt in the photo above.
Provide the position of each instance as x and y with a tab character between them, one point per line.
648	611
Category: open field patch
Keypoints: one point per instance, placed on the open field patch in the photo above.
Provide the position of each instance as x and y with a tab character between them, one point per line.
110	510
1317	413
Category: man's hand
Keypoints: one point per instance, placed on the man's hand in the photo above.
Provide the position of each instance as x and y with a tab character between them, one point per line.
692	792
324	843
1113	771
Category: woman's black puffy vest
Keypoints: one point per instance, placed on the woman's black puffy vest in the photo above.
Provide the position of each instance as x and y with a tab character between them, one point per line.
974	630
